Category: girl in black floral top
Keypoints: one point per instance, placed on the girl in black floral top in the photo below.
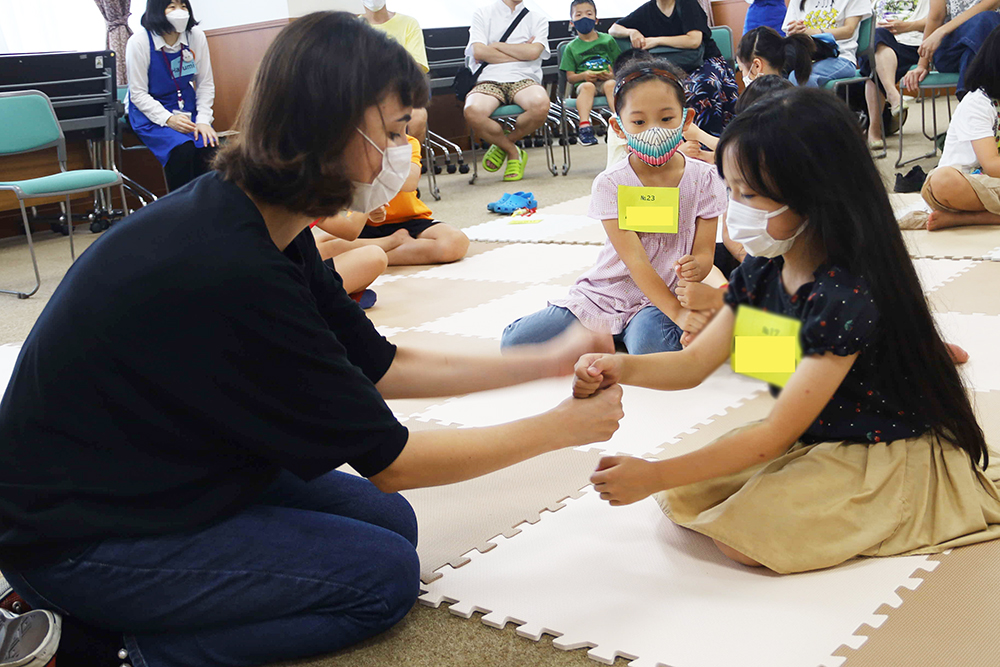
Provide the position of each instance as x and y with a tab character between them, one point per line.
872	448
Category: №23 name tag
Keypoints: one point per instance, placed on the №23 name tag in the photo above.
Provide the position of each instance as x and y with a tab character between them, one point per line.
651	210
765	345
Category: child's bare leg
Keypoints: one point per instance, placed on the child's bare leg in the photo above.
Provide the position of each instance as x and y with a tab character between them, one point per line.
585	100
735	555
440	244
954	202
360	267
609	92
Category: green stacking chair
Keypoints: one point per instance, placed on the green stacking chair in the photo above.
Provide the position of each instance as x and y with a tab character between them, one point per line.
29	124
934	83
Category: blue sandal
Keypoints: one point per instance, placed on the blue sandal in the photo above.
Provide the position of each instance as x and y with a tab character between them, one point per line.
516	201
491	207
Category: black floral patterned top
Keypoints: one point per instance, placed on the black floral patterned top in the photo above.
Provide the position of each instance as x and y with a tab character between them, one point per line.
838	315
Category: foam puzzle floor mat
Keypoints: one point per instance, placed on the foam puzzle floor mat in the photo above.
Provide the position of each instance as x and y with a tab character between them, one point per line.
974	291
457	518
955	243
978	335
630	583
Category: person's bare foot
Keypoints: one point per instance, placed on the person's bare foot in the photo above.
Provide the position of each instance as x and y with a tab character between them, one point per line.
943	220
957	354
698	296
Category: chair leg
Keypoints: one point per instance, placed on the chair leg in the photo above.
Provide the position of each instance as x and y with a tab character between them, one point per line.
125	211
475	158
69	225
34	261
550	155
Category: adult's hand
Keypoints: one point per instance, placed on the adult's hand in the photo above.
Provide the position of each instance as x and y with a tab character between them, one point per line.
378	215
181	123
593	420
931	44
576	342
205	131
912	79
638	39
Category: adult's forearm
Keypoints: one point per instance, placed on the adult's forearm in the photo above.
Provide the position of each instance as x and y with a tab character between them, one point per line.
521	52
436	457
676	42
424	374
491	55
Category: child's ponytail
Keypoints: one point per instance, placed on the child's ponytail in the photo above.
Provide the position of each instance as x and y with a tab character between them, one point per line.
785	54
799	50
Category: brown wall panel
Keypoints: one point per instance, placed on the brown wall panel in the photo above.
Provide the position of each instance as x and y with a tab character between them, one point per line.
236	52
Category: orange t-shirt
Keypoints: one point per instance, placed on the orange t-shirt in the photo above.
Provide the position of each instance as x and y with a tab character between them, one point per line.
405	206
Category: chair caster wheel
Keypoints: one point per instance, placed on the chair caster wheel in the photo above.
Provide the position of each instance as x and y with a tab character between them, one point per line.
423	169
562	141
572	141
96	227
60	228
437	170
463	169
538	143
451	169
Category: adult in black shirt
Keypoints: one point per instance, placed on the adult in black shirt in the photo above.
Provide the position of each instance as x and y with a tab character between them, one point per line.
682	24
183	499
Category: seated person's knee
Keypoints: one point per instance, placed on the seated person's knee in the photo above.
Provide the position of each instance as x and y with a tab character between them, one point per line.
586	87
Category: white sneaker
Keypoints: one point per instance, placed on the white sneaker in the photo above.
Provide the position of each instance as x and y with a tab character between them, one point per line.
29	640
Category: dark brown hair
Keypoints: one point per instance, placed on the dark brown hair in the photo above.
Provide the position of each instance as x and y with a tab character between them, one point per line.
309	95
786	54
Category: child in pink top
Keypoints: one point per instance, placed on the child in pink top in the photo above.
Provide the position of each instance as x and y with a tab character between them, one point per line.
630	291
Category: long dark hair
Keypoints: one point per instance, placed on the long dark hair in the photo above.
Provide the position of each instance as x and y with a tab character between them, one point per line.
785	54
154	19
759	88
803	148
984	71
310	93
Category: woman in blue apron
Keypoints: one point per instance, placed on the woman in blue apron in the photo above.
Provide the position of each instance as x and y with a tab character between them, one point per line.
171	90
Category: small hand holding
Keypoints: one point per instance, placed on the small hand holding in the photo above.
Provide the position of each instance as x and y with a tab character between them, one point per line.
595	372
623	480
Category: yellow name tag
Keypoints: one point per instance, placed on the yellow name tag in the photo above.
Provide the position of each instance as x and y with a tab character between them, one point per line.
765	345
651	210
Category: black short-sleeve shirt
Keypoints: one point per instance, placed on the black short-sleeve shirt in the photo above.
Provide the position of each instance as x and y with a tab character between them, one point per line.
184	362
838	315
687	16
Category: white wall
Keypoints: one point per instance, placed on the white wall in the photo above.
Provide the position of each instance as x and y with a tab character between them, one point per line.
213	14
449	13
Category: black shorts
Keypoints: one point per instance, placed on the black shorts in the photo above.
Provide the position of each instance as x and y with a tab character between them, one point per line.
414	227
906	56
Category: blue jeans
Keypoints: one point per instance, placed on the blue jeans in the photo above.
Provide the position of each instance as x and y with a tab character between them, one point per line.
311	568
959	48
827	70
647	332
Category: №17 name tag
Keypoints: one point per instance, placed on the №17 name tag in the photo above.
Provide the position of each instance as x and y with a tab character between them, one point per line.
651	210
765	345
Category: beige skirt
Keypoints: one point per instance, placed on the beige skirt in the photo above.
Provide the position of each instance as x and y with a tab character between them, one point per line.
820	505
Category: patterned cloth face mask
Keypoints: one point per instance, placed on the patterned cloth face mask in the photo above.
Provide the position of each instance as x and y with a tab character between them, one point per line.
656	145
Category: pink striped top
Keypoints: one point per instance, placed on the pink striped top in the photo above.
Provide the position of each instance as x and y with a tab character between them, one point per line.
605	298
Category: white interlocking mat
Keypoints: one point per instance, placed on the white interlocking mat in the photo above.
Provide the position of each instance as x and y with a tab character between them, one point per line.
489	319
978	335
518	263
652	418
628	582
538	228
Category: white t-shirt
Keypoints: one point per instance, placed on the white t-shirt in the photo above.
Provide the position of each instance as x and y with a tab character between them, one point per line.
488	26
137	59
975	118
904	10
828	14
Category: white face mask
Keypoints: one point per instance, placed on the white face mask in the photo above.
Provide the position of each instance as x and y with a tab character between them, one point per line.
395	169
747	79
748	226
373	5
179	19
